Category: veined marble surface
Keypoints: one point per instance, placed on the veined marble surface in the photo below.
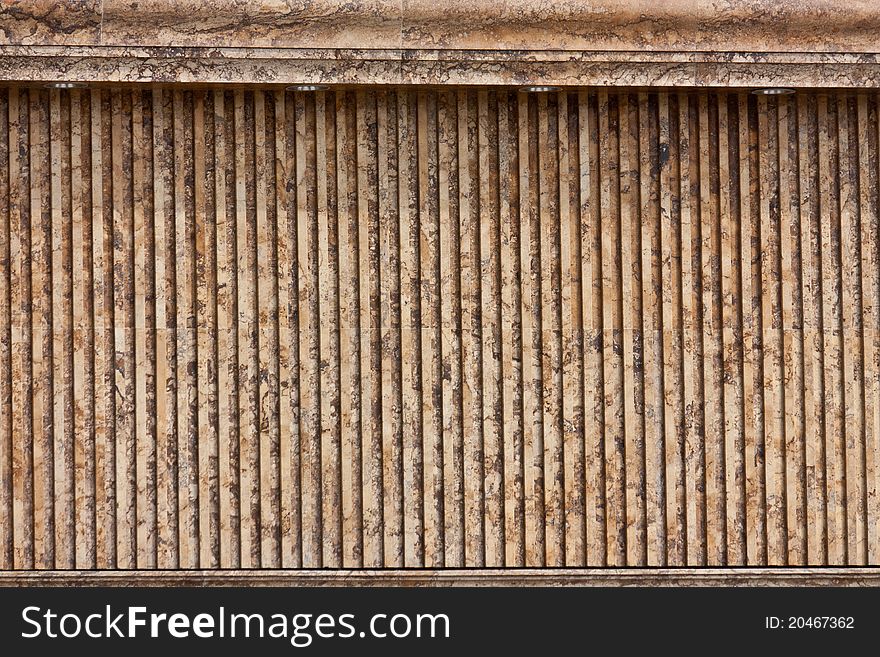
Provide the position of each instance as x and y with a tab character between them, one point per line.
676	25
809	43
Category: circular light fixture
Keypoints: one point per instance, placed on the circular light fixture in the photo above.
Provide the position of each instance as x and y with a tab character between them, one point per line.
773	91
539	88
66	85
308	87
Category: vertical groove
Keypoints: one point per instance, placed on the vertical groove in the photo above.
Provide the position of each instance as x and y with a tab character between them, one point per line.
852	331
510	236
267	304
59	153
284	267
449	209
103	143
227	363
692	309
349	263
430	268
594	399
244	295
493	346
166	339
551	330
771	322
649	154
370	327
289	340
309	329
20	282
670	246
750	298
869	205
633	335
574	502
616	395
41	331
206	334
7	334
187	363
389	244
328	202
145	426
713	381
835	474
530	262
414	192
814	389
84	333
792	336
471	327
124	384
732	330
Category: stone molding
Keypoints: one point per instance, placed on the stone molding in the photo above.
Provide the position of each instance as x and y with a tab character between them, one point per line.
828	576
732	43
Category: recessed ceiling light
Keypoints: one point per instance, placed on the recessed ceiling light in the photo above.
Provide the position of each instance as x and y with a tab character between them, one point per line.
773	91
308	87
66	85
539	88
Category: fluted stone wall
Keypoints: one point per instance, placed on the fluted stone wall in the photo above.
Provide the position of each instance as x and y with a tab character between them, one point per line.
419	328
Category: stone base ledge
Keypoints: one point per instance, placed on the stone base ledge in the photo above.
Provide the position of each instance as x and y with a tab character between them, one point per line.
725	577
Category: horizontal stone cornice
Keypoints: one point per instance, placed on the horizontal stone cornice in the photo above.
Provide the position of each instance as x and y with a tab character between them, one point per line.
436	66
808	43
